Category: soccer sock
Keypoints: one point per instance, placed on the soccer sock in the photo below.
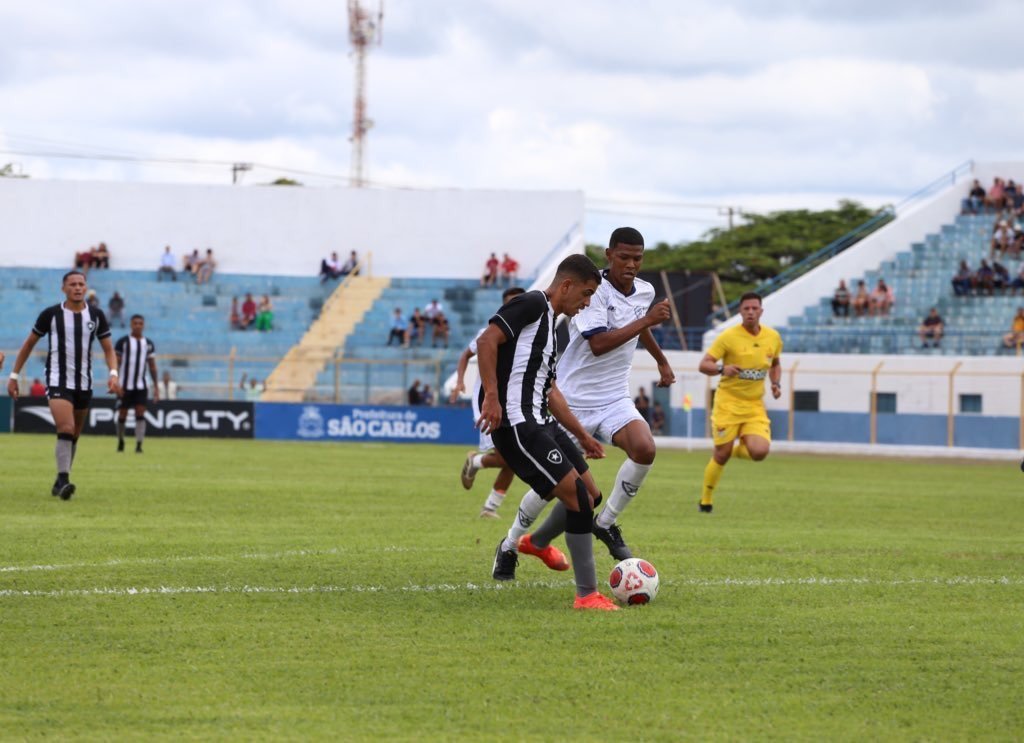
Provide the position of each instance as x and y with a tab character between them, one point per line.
494	500
140	430
65	442
120	430
712	474
553	525
531	506
627	483
478	461
580	541
74	449
741	451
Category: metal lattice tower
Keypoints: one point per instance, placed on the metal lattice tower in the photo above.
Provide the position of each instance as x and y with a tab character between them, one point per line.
364	29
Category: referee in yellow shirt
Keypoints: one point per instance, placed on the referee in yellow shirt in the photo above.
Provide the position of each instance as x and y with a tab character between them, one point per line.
744	355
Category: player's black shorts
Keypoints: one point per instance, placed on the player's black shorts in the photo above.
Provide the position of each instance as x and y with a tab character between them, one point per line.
133	398
540	455
79	399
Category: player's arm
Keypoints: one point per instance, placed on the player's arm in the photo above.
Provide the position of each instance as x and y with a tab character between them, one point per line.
608	340
460	375
487	363
560	410
664	368
775	375
713	367
108	353
156	378
19	362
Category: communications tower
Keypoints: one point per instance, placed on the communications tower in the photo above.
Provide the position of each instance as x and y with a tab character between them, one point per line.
364	30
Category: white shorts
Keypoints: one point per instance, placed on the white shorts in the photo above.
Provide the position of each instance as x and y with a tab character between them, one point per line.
603	423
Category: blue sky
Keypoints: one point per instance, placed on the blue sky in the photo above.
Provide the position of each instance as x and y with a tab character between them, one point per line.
758	105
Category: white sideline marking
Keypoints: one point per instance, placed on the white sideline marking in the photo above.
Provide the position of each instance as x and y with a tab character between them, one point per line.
488	586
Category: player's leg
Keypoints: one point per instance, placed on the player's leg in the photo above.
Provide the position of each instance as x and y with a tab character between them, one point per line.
140	426
122	417
756	437
63	412
723	438
530	508
497	495
479	460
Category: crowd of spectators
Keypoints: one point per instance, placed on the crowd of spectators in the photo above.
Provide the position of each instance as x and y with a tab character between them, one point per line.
414	330
878	302
251	315
97	256
332	268
420	394
1002	196
988	278
506	269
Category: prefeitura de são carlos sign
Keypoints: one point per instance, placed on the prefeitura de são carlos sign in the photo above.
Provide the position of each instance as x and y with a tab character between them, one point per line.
364	423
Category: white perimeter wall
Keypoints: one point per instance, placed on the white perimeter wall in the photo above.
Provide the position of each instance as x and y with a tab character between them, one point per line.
282	229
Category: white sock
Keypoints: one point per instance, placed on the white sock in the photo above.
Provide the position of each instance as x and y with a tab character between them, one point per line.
478	461
627	482
530	507
494	500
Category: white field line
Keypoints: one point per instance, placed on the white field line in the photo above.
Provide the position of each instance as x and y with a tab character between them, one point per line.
517	585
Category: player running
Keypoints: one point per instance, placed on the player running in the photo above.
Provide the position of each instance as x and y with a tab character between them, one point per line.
486	457
70	328
744	355
593	375
135	354
520	403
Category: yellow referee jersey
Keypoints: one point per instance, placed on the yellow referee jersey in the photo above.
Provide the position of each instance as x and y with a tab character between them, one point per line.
753	354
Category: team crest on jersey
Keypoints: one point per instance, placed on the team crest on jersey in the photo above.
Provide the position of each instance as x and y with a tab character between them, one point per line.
555	456
91	325
639	312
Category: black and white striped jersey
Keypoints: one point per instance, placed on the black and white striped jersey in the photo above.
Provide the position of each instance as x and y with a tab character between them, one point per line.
70	336
133	361
526	361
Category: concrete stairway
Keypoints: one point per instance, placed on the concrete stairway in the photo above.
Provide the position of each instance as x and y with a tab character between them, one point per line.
346	306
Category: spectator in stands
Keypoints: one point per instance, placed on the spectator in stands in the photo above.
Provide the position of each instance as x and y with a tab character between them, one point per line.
116	307
166	265
399	328
861	300
963	280
1015	338
1010	194
431	311
996	197
841	300
417	327
265	315
1002	236
38	389
983	278
248	312
83	260
1017	240
657	419
1018	283
330	268
931	329
167	387
235	319
415	396
206	267
1000	277
101	256
975	200
428	395
254	389
490	277
643	404
190	263
351	265
882	299
509	270
441	330
92	300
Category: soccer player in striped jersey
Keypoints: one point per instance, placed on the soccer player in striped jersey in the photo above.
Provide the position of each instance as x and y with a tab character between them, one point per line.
135	355
70	328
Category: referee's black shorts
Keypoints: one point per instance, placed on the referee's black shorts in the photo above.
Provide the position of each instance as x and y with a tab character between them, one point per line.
541	456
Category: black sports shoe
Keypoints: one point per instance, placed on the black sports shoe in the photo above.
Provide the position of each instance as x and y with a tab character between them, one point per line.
120	444
705	507
67	489
138	447
613	540
55	491
505	562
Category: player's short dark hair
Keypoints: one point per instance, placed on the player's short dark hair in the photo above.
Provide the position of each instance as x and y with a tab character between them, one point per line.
72	272
578	266
751	295
625	236
137	315
512	291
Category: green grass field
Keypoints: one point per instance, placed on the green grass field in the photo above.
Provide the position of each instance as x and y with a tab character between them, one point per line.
225	590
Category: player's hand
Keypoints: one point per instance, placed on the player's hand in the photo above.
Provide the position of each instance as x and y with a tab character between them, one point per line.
490	415
2	357
667	375
114	386
730	370
776	391
457	390
12	388
156	395
592	448
659	312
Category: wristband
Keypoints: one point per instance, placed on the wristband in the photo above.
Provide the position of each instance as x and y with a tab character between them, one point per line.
14	376
777	384
113	372
720	365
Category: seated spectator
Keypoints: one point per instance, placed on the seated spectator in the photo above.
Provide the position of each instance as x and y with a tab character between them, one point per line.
861	300
963	280
1015	338
657	419
254	389
248	312
931	329
236	316
427	396
265	315
417	327
643	404
431	311
351	265
116	307
415	396
1002	236
1018	283
996	197
509	270
882	299
983	278
1017	242
399	328
83	260
92	300
166	265
1000	276
490	277
101	256
38	389
330	268
441	330
975	200
190	263
206	266
841	300
167	387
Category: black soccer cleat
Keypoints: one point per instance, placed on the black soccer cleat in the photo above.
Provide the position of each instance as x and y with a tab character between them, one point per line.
705	507
66	490
138	447
55	490
612	538
505	562
120	444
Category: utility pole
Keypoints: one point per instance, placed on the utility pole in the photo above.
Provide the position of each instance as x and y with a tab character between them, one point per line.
364	29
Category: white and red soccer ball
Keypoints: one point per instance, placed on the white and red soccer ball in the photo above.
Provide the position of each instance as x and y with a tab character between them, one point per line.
634	581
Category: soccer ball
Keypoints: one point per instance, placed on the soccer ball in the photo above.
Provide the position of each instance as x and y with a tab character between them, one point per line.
634	581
